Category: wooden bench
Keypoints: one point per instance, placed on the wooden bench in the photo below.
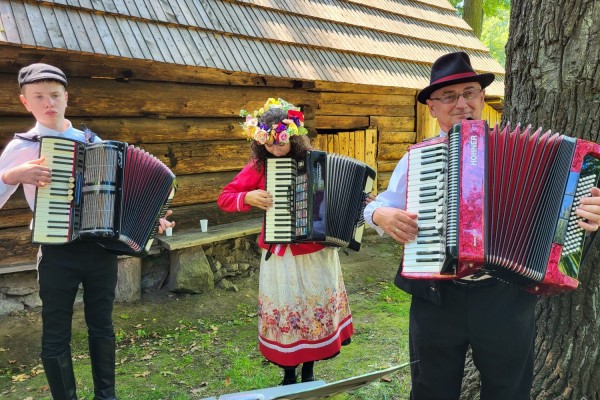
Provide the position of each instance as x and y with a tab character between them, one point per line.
189	269
217	233
11	268
179	240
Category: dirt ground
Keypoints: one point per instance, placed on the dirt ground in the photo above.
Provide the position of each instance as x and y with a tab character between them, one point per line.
20	334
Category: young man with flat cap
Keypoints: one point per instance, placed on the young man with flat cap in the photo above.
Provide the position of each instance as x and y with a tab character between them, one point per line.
61	268
495	319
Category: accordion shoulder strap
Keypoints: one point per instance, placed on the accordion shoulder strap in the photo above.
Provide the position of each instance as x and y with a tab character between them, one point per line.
31	137
89	134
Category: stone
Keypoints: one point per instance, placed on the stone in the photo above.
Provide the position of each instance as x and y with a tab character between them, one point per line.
228	286
129	280
216	265
31	300
19	284
243	266
8	306
233	267
190	271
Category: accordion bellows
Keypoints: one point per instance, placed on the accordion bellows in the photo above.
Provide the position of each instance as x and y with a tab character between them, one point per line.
318	199
503	204
109	192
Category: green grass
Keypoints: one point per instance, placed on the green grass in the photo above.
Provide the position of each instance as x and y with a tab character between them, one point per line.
161	355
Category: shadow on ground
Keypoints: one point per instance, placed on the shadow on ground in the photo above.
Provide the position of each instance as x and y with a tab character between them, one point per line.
20	334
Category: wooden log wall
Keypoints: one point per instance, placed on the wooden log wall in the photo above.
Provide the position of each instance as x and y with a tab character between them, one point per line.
189	119
193	128
388	111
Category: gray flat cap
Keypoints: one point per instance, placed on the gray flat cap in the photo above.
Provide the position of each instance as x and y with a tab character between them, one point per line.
39	72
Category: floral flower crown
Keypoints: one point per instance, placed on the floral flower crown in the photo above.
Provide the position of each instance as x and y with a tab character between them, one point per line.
280	133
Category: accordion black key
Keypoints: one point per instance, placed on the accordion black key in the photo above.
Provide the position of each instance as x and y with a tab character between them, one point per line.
318	199
109	192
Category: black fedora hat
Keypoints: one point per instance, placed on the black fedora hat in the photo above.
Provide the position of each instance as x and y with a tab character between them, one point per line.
451	69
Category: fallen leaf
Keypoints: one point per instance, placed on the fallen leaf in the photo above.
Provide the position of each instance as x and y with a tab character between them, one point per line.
20	378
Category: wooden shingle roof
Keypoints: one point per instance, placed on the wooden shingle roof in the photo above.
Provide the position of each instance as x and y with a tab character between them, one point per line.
374	42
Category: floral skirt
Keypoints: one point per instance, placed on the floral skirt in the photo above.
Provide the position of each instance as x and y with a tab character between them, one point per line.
303	311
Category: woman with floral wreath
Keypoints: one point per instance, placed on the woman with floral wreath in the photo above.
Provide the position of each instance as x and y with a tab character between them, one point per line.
303	311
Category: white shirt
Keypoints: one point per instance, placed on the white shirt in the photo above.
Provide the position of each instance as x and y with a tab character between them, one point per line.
20	151
395	195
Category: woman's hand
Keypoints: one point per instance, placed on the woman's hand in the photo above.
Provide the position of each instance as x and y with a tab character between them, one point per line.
259	198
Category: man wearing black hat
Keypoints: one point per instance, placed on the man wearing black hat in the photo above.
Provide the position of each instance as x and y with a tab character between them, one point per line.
496	320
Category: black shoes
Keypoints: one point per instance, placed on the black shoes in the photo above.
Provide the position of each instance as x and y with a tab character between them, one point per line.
59	372
307	371
285	382
289	374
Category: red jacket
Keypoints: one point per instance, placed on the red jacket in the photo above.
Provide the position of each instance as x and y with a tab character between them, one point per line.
232	198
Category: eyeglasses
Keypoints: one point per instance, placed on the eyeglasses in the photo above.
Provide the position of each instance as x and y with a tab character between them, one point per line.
452	98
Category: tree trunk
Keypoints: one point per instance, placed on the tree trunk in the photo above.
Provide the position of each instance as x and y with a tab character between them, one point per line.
473	15
553	81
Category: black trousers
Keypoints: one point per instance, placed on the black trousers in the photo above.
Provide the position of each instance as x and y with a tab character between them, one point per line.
61	268
496	320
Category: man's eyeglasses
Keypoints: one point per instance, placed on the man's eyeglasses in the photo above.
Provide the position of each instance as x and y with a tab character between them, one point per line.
452	98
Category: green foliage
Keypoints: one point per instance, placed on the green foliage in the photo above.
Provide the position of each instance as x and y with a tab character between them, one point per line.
458	4
491	8
494	8
494	33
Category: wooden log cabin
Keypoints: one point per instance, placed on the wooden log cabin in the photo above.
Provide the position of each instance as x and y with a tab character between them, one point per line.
171	76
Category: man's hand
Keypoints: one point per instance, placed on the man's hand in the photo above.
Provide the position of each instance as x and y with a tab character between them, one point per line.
32	172
164	223
399	224
589	210
259	198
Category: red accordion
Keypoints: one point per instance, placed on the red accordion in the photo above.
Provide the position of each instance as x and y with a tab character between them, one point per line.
500	203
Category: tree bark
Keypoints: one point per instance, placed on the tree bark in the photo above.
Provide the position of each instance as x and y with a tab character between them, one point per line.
473	15
553	81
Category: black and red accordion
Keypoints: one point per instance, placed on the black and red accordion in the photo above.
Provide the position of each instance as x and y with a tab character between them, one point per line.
108	192
500	203
317	199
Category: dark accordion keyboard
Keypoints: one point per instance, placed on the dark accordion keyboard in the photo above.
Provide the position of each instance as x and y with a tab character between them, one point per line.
499	203
108	192
319	199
